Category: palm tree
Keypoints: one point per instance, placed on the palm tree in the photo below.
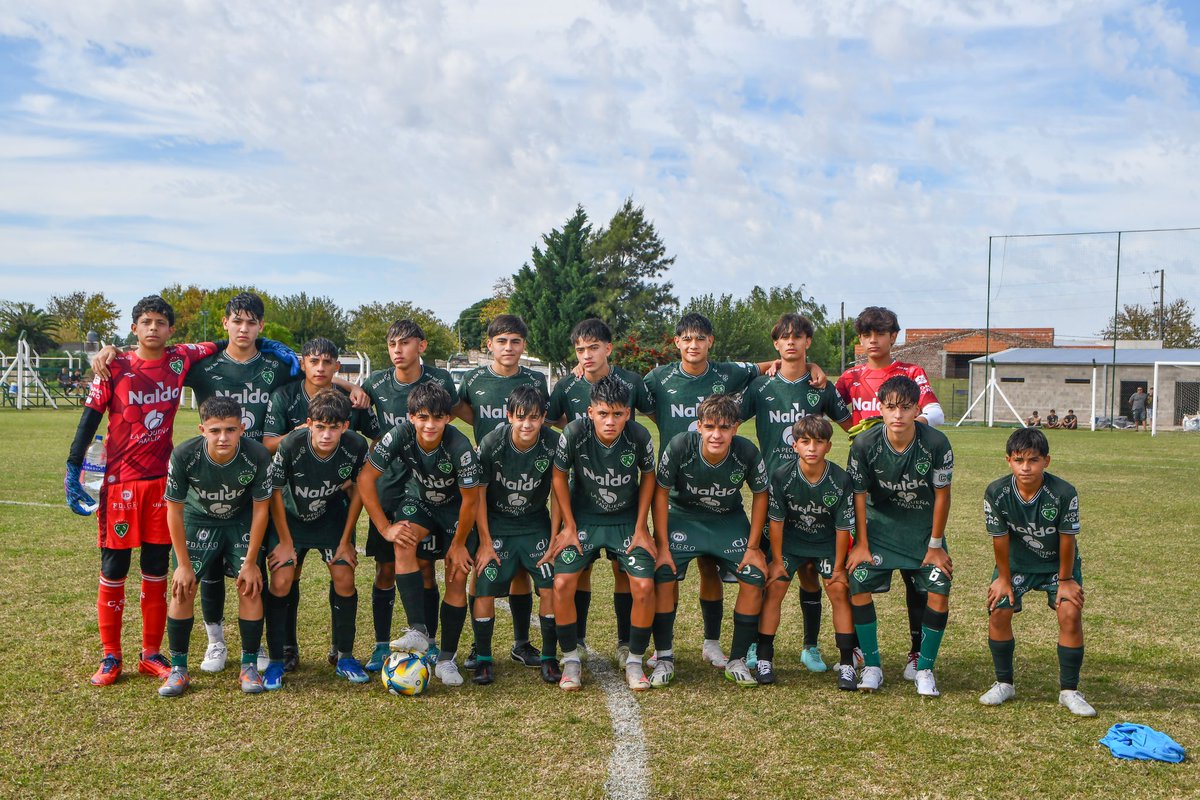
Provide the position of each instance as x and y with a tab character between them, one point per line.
38	326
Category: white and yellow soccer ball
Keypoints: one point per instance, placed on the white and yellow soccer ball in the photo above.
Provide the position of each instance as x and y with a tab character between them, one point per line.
405	673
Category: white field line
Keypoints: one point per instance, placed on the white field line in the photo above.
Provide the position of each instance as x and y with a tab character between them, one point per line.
35	505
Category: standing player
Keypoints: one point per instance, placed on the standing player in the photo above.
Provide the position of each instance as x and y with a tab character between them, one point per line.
1033	518
435	515
218	493
698	511
513	524
315	506
604	485
901	472
141	397
482	399
859	387
775	403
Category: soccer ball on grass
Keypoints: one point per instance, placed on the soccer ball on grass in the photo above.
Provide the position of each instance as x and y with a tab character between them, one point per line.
405	673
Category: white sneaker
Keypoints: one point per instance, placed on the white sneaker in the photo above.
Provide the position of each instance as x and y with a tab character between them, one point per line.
264	659
860	660
635	677
737	671
652	661
871	679
622	654
910	667
214	657
663	674
713	654
447	672
572	676
999	693
1073	700
412	641
926	685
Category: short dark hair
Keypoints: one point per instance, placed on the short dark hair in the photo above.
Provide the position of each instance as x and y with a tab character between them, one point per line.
1025	439
508	323
247	303
593	329
431	398
220	407
877	319
154	304
330	405
792	324
719	408
527	399
1070	411
812	426
694	323
900	389
405	329
319	346
610	391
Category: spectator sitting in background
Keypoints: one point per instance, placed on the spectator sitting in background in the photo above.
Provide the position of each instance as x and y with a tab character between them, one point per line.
1070	422
1052	419
1034	421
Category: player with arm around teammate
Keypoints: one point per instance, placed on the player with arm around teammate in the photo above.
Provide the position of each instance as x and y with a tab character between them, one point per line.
1033	518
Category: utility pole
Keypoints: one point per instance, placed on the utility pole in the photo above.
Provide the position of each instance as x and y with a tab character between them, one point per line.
842	335
1162	311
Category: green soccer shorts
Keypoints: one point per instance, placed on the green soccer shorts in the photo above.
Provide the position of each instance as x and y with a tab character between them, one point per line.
518	543
823	564
440	521
613	539
721	536
868	578
213	548
1047	582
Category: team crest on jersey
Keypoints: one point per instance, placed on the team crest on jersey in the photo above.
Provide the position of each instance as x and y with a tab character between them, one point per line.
1050	513
718	388
196	565
830	500
121	528
268	375
245	478
736	477
860	574
409	509
542	464
344	472
568	556
813	398
490	572
922	467
627	460
446	467
176	365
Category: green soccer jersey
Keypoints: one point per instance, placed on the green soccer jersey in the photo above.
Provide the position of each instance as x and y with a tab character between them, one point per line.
775	403
218	492
605	479
572	395
697	485
288	410
674	395
900	489
811	513
518	481
487	395
433	476
1033	526
314	486
249	382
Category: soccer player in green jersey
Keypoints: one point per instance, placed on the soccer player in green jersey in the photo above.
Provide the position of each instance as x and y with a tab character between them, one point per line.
901	472
388	390
775	403
812	514
218	492
315	506
698	511
569	401
434	518
514	526
604	485
482	400
1033	517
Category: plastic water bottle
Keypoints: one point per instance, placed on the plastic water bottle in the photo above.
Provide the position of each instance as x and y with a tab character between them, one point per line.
94	463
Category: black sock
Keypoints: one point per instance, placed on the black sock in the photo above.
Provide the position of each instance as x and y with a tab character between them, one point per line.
1002	658
1070	661
846	642
549	638
745	631
382	603
623	606
179	634
291	639
521	606
275	609
639	640
212	600
483	636
453	619
583	603
712	611
332	626
916	602
344	612
432	600
766	646
251	631
411	588
664	631
567	640
810	610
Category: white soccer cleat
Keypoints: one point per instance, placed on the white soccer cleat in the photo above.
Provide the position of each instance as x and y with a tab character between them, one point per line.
1073	700
737	671
999	693
910	667
447	672
712	653
572	676
413	641
652	661
264	659
871	679
860	660
214	657
622	654
635	677
663	674
926	685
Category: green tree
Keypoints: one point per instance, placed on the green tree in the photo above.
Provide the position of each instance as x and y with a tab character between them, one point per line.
742	326
470	327
830	340
369	326
1176	327
308	317
80	312
190	302
558	290
282	334
39	327
629	256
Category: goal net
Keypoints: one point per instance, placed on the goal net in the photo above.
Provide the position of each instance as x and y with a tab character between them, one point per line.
1176	402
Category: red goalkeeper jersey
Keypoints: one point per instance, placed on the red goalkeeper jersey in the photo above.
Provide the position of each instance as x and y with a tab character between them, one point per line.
141	398
859	387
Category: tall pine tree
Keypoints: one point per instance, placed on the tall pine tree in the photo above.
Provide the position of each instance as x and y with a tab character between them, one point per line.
628	257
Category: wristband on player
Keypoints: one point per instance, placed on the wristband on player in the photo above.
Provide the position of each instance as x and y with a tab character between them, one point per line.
936	542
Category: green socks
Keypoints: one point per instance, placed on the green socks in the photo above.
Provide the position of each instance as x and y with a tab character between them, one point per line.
179	633
251	631
867	628
933	627
745	631
1070	660
1002	658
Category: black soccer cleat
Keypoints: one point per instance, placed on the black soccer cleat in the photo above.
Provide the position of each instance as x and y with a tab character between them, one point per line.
847	678
485	673
766	672
551	673
291	659
526	654
472	660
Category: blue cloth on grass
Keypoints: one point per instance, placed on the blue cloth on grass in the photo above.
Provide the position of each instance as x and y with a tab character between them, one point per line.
1130	740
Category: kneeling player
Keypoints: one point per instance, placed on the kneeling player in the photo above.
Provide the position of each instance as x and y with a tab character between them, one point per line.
513	525
218	493
699	502
610	460
1033	518
315	506
904	467
812	514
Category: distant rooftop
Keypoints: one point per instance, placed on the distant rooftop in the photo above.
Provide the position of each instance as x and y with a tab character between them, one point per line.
1086	355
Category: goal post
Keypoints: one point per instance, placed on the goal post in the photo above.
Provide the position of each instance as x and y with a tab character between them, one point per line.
1176	388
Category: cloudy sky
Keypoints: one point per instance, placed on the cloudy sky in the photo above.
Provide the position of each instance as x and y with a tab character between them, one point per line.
417	150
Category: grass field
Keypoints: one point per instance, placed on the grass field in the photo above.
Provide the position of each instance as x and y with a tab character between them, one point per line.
705	737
